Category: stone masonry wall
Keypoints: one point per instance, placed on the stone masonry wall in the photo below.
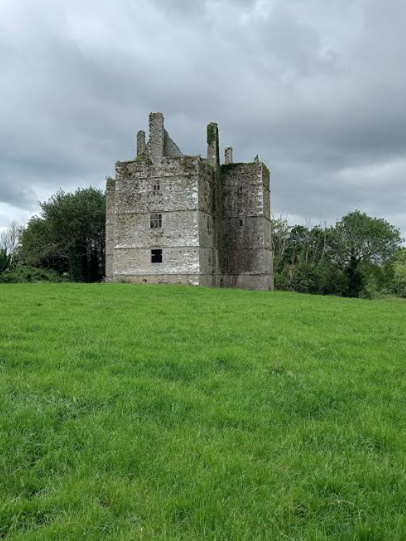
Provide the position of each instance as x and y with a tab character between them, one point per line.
110	226
208	234
172	188
214	221
247	226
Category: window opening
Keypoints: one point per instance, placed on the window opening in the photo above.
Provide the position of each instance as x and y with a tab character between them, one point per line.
156	256
156	221
157	187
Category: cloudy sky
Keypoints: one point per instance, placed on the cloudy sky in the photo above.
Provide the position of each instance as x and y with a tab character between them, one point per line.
317	88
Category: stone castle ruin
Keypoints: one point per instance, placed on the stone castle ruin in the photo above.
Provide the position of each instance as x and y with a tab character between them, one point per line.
175	219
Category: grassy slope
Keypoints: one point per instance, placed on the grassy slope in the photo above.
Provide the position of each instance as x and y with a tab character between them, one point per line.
156	413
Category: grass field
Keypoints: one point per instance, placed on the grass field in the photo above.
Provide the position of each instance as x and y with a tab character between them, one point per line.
172	413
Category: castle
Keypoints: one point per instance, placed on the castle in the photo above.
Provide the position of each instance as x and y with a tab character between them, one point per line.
178	219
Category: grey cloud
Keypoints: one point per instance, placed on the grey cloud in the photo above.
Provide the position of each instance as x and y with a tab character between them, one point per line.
18	195
317	91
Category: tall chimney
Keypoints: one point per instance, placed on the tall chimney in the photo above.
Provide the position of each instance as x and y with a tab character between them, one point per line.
213	152
228	155
140	144
156	136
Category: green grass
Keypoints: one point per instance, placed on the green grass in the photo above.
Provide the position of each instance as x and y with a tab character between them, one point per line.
172	413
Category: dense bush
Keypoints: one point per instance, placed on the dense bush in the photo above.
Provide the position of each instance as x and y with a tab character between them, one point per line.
358	257
31	274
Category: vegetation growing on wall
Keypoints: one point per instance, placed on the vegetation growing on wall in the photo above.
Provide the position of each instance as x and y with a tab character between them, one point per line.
227	167
212	133
143	158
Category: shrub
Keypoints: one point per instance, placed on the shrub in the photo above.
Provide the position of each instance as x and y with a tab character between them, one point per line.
31	274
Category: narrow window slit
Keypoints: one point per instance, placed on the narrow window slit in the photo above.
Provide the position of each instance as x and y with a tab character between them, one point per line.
157	187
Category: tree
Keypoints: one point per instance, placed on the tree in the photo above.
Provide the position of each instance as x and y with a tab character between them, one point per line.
302	259
9	239
41	248
68	235
399	271
5	260
9	244
280	235
352	258
361	242
280	242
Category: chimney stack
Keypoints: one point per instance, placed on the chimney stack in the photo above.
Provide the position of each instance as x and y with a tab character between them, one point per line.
141	144
228	155
213	153
156	136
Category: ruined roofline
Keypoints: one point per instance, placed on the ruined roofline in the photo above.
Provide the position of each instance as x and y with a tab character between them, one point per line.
213	149
161	145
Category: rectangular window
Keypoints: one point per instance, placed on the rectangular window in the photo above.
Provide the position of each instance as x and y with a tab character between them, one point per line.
157	187
240	190
156	256
156	221
241	222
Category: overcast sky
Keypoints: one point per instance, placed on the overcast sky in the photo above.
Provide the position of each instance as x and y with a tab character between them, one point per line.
317	88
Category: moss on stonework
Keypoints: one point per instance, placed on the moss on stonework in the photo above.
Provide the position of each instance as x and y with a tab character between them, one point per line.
206	161
188	162
110	183
142	158
226	167
266	170
212	132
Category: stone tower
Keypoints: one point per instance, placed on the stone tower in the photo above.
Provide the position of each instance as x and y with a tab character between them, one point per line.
179	219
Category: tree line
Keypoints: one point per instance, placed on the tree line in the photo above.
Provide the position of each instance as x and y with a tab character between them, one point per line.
67	237
359	256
